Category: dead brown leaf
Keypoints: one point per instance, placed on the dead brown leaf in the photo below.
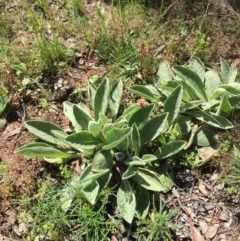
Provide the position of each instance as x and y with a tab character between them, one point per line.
202	188
212	231
196	235
204	226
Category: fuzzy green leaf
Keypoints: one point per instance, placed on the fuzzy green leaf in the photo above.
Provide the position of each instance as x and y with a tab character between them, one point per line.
170	149
115	97
184	123
143	92
153	128
232	88
147	158
135	138
95	127
172	104
127	113
193	82
82	140
82	116
90	191
130	172
77	114
68	112
164	72
148	180
212	119
142	238
212	82
225	108
101	99
141	115
43	130
126	201
228	73
198	67
91	93
143	201
103	160
115	136
204	137
40	149
136	161
88	176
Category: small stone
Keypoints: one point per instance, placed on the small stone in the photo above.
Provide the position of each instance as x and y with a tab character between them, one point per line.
215	177
222	236
223	216
209	206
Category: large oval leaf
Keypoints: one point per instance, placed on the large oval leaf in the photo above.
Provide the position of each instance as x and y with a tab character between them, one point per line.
192	81
90	191
130	172
135	138
103	160
173	103
115	97
212	119
82	140
212	82
170	149
225	108
232	88
228	73
164	72
115	136
143	201
141	115
126	201
43	130
68	112
198	67
101	99
153	128
40	149
143	92
148	180
82	117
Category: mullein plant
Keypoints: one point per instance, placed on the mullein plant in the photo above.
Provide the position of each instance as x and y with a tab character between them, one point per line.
120	150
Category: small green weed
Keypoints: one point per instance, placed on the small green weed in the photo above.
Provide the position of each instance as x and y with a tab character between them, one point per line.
46	218
158	224
232	179
54	55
